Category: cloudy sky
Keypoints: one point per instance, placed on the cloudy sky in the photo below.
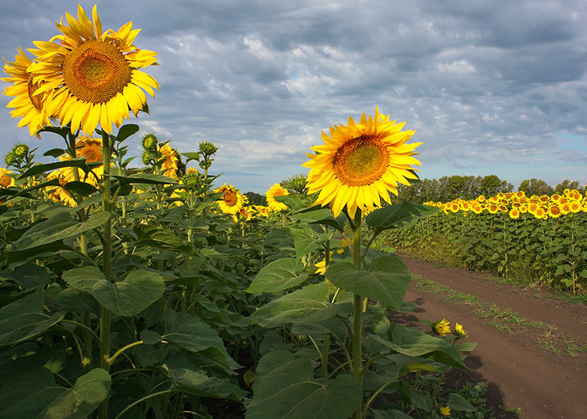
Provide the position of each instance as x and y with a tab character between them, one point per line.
491	87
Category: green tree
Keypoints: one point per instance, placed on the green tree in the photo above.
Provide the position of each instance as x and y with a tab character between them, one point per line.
567	184
535	187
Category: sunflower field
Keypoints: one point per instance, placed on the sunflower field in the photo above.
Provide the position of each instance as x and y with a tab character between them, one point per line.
542	239
146	287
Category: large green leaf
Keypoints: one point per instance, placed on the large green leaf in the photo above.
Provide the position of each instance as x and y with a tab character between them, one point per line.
135	293
306	241
35	395
278	276
57	228
24	319
192	334
387	280
126	131
321	216
414	342
399	215
459	403
334	399
41	168
306	305
199	384
283	370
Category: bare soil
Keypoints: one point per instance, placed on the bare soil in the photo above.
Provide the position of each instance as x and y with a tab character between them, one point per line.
516	356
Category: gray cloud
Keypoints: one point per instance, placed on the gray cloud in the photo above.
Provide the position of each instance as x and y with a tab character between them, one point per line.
489	87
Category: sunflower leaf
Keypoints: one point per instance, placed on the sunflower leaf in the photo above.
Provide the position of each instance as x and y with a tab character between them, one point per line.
279	275
399	215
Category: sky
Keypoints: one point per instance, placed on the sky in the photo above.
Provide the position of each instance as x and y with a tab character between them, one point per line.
490	87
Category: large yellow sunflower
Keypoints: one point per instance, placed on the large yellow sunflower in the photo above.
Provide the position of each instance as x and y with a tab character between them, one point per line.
232	201
272	203
93	76
361	163
27	102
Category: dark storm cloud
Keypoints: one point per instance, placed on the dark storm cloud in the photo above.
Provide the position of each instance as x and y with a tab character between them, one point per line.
490	87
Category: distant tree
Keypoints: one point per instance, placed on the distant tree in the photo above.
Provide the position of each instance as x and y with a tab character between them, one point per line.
535	187
296	184
566	184
256	199
492	185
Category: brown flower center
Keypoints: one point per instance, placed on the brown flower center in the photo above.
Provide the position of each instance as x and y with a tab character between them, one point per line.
230	198
96	71
361	161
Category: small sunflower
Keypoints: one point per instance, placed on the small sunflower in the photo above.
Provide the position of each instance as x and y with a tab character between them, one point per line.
232	201
90	148
554	211
92	77
459	331
441	328
275	205
28	102
514	213
361	163
444	410
5	179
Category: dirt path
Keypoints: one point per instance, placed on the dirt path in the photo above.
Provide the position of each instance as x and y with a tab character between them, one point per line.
532	350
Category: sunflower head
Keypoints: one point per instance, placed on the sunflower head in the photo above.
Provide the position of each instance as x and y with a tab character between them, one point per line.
90	148
5	179
231	200
360	163
441	327
92	76
274	204
10	159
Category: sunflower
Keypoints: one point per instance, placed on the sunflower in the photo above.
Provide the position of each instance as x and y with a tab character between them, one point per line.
170	166
232	201
28	102
361	163
459	331
5	179
92	77
514	213
275	205
575	206
554	211
441	327
90	148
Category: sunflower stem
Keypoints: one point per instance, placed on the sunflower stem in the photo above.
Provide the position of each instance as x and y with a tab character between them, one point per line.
357	343
105	315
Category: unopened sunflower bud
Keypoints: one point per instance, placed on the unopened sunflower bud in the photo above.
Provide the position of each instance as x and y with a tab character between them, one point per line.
147	157
208	148
150	142
20	150
10	159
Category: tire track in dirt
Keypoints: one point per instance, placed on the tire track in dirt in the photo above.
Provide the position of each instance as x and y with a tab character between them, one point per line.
517	371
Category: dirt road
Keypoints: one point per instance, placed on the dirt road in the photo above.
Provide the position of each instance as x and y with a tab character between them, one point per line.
532	349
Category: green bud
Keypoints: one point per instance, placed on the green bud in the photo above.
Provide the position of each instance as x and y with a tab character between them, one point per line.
147	157
192	180
150	142
10	159
20	150
208	148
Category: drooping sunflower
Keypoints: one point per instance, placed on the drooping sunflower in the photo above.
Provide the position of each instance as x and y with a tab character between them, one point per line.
93	76
28	103
272	203
170	166
361	163
232	201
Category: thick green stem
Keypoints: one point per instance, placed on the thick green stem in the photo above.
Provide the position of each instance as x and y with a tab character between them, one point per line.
105	315
357	343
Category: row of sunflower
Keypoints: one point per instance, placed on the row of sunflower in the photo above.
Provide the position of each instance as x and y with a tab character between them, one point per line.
538	239
517	203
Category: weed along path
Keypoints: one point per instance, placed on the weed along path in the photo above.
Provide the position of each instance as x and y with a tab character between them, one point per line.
532	349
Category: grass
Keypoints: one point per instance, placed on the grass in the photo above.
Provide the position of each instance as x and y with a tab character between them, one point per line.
506	320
